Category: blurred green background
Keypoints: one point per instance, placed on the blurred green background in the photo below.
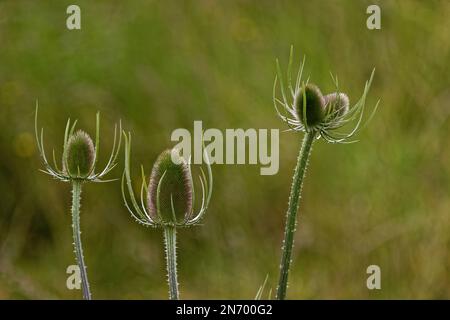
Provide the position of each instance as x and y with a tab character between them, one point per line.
160	65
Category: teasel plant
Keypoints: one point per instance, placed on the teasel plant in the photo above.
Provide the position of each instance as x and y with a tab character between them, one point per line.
304	109
79	162
167	200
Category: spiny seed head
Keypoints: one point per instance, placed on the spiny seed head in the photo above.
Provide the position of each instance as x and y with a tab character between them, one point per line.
175	188
337	104
315	105
79	155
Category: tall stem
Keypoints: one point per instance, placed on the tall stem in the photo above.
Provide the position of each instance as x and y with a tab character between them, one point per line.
291	216
76	199
170	240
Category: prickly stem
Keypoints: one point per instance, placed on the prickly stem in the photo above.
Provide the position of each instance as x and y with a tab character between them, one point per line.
291	216
76	200
170	240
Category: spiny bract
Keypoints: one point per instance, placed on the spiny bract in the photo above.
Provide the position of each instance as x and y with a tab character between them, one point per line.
170	188
79	156
305	109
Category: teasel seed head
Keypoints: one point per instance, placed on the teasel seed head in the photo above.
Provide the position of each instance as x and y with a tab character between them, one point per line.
169	197
309	102
170	188
337	104
79	155
306	110
79	158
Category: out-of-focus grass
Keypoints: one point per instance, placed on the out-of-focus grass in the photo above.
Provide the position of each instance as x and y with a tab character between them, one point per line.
160	66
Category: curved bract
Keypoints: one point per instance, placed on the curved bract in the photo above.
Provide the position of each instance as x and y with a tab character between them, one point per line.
302	112
170	201
80	156
78	166
317	116
170	192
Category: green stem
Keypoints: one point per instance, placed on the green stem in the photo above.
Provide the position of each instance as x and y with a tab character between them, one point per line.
291	216
170	240
76	199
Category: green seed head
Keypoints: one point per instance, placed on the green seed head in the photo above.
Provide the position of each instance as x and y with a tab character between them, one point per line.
173	180
314	108
337	104
79	155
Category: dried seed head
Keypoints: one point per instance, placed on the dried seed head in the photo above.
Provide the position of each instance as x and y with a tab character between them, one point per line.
337	104
79	155
315	106
175	188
